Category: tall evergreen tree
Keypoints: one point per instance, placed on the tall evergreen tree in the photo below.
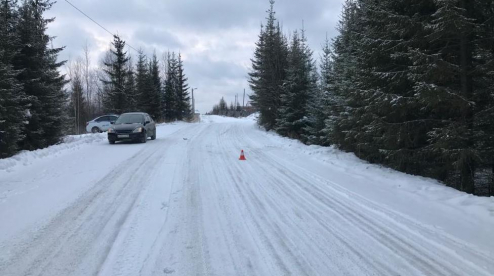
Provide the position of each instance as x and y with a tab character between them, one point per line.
12	97
380	117
388	119
9	40
415	87
11	110
330	106
154	103
484	109
40	77
458	85
269	70
131	89
321	101
143	82
340	125
183	100
299	86
115	100
170	96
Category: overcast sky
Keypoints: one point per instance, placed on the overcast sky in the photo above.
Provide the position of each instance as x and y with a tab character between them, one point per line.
216	37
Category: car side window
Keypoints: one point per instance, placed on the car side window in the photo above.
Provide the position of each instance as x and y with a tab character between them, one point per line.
100	119
113	118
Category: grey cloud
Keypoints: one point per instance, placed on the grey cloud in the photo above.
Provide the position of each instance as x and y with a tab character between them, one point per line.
72	37
216	37
157	37
214	70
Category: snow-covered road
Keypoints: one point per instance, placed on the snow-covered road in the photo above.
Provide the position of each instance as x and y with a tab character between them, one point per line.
185	205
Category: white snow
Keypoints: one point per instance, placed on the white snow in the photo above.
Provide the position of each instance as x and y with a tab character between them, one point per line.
70	144
185	205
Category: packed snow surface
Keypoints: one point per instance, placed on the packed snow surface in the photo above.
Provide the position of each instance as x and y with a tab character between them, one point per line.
185	205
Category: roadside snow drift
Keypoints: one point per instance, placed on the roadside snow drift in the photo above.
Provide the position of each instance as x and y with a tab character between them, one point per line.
69	144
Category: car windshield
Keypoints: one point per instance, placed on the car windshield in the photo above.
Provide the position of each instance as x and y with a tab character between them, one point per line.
130	119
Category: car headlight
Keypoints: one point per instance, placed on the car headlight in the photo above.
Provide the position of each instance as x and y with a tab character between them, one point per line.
139	129
111	130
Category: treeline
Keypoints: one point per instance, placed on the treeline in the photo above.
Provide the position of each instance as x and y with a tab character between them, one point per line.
222	109
143	87
32	97
158	87
406	85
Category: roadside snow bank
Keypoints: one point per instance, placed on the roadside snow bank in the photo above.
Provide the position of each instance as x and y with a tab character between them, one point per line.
253	116
70	143
379	179
208	119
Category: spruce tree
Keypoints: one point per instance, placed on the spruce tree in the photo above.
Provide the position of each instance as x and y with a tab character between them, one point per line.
412	87
299	86
329	108
131	90
183	100
388	119
170	94
9	40
341	124
12	97
40	77
143	86
154	101
484	96
457	85
115	100
11	110
269	71
378	114
320	101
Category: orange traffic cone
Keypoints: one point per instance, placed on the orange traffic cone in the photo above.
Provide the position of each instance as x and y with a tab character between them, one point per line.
242	156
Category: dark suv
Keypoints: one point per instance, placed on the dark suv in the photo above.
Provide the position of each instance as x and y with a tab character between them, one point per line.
136	126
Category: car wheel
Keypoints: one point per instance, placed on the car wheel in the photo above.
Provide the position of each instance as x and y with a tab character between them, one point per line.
144	138
112	142
154	135
95	130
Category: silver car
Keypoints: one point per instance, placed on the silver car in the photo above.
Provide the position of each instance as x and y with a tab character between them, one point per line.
100	124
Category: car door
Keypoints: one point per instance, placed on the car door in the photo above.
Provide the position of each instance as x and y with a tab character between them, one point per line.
104	123
150	127
153	123
113	119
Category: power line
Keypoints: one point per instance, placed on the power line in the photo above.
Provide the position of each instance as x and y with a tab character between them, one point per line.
101	26
98	24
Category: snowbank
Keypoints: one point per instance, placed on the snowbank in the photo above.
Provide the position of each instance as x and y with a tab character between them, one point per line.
208	119
253	116
382	178
70	143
